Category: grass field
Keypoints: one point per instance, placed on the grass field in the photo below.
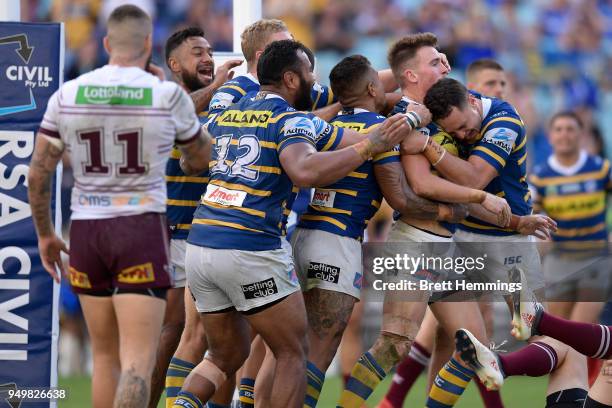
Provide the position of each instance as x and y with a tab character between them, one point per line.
518	392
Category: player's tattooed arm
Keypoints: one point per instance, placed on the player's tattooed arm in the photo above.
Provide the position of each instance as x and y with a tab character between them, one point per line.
392	182
42	166
195	155
201	98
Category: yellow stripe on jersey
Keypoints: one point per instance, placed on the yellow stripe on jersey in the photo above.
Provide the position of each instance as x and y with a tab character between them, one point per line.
219	223
183	226
521	145
576	232
358	175
330	96
250	211
265	169
331	220
331	210
490	153
527	196
182	203
504	118
593	175
234	186
484	227
286	211
331	140
175	153
575	206
501	194
306	139
249	118
375	203
352	193
187	179
385	155
522	159
234	87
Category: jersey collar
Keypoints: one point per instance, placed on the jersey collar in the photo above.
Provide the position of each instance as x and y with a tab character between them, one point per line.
251	77
354	111
486	106
567	170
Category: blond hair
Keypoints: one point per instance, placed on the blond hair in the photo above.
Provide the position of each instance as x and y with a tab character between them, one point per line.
255	37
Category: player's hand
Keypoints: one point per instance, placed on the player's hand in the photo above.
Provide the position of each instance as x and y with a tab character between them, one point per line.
422	111
498	206
444	61
538	225
453	213
390	133
50	249
224	72
157	71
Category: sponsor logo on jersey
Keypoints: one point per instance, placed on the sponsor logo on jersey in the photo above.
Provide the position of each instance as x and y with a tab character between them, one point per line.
78	279
114	95
224	196
137	274
570	188
248	118
300	126
221	100
590	186
356	126
503	138
323	272
103	200
259	289
323	198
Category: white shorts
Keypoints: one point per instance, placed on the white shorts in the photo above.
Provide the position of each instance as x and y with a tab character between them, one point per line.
573	278
177	262
223	278
502	254
327	261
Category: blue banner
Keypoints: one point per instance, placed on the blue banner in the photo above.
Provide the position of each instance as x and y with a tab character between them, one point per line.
31	69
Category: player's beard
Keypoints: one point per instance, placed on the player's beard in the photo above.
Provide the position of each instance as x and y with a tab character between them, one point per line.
303	100
192	82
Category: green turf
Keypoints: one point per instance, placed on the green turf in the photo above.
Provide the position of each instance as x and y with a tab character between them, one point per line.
523	392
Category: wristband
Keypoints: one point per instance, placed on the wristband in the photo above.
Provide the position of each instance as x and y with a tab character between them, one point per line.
364	148
439	159
514	222
413	119
426	143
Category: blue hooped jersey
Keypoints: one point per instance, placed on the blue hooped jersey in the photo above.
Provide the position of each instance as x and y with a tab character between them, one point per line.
183	193
248	191
575	199
235	89
345	207
502	144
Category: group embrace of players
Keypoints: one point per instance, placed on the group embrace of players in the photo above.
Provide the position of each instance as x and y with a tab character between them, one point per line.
228	157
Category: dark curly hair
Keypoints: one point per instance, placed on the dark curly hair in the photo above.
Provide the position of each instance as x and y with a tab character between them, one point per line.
443	96
345	78
278	58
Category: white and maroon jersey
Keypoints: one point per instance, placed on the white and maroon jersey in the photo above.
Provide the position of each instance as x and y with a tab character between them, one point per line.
118	125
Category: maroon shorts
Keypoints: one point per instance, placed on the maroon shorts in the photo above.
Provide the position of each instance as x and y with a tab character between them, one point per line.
119	253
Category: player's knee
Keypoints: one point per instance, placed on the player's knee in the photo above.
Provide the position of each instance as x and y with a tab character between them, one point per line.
229	357
396	344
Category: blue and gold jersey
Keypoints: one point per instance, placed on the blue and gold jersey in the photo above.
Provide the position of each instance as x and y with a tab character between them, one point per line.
183	193
502	144
248	190
345	207
575	198
235	89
